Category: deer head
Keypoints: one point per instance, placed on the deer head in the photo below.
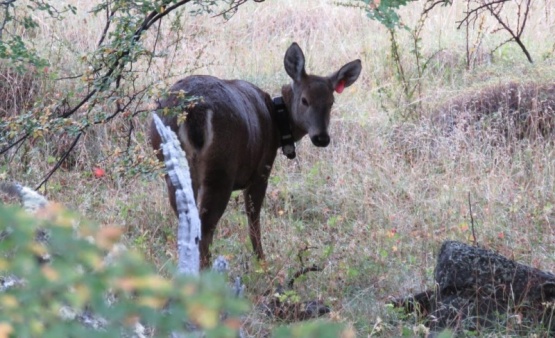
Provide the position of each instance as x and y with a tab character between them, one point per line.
310	97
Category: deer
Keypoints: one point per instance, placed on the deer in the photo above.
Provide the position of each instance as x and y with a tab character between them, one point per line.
232	130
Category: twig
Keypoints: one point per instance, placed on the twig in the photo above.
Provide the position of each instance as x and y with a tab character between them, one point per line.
474	241
130	134
60	161
301	251
438	2
302	271
6	5
234	6
109	17
495	8
475	11
519	29
21	139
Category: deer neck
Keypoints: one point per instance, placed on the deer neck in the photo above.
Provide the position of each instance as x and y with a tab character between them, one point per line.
291	102
282	120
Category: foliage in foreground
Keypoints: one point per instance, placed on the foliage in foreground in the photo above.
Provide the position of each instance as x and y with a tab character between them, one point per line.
115	291
64	277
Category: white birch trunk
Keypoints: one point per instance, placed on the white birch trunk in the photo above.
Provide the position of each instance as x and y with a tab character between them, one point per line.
188	231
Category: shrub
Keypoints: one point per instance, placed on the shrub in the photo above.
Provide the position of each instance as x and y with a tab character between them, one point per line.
64	277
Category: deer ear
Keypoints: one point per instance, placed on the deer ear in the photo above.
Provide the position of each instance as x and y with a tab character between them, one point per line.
346	76
294	62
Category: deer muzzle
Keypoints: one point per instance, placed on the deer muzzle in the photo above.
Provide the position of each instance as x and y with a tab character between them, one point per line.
320	140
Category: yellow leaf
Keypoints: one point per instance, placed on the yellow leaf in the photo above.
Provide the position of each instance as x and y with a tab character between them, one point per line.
9	302
83	294
348	333
38	249
153	282
153	302
463	227
188	290
5	330
3	264
93	258
107	236
131	320
37	328
51	212
233	323
50	274
205	317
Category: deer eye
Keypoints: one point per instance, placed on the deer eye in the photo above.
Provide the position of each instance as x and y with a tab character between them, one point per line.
304	101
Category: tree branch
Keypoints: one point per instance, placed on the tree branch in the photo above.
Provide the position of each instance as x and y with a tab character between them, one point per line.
474	11
516	37
434	4
109	17
302	271
21	139
60	161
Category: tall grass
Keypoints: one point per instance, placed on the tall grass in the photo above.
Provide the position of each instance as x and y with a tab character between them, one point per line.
373	208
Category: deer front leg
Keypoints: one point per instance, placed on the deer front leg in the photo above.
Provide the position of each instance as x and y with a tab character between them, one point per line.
254	196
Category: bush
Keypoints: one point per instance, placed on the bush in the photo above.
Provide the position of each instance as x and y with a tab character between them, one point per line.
64	277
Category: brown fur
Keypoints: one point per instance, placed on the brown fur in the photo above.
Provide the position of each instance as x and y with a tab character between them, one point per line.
231	139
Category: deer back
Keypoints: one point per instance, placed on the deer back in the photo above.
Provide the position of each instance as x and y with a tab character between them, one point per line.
227	126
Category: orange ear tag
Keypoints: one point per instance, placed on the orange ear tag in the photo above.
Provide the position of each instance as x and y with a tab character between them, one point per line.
340	86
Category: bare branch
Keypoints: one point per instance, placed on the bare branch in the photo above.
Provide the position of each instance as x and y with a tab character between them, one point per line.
526	12
433	5
515	36
474	240
60	161
6	5
475	11
21	139
495	8
302	271
109	77
501	44
109	17
130	134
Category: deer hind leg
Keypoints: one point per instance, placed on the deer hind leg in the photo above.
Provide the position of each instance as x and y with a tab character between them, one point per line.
212	200
171	194
254	196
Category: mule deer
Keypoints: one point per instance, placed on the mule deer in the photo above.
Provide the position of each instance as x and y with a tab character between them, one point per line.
232	131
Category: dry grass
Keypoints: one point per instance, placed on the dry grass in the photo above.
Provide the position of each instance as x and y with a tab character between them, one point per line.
505	112
17	90
373	207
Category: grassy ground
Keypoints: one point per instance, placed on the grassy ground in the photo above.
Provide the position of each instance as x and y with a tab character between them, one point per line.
373	208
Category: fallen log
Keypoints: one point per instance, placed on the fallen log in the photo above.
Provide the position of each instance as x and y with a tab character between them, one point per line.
478	289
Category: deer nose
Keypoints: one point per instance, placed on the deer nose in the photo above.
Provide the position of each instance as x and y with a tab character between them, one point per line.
321	140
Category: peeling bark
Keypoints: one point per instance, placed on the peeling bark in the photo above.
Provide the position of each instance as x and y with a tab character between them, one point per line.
188	231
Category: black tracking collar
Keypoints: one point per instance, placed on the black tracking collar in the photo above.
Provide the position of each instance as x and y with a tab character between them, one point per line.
286	135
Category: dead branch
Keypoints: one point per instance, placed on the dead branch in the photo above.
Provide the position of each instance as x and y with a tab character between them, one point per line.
495	9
